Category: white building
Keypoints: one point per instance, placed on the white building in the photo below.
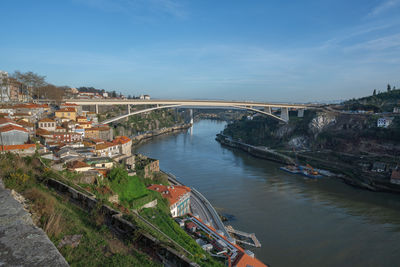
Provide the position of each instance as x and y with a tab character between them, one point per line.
144	97
384	122
178	197
4	87
47	124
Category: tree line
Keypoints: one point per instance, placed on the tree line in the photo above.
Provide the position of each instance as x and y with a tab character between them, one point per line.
34	86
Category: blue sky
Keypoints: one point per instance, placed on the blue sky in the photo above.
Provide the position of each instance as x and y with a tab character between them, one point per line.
295	51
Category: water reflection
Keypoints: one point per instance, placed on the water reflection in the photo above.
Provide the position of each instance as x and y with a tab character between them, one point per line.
298	221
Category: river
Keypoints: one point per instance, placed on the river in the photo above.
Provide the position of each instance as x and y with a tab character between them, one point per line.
299	222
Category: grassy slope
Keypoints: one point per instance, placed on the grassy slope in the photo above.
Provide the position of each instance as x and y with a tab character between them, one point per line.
57	217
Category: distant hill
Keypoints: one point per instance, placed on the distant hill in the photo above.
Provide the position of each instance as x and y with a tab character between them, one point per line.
379	102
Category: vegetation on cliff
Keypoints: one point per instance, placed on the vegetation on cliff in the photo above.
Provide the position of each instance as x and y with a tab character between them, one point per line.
377	102
60	219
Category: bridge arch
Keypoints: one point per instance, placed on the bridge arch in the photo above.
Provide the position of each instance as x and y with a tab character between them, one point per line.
179	105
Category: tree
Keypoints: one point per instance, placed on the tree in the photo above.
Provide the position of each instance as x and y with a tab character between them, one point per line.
374	93
32	80
394	87
50	91
389	88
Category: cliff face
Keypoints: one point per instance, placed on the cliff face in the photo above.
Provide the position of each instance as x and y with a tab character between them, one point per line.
151	121
349	144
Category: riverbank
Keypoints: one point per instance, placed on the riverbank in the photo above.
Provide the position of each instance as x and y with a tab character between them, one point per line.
284	210
259	152
348	173
150	134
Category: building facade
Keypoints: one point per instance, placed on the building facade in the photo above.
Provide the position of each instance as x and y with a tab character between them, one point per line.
178	198
47	124
4	87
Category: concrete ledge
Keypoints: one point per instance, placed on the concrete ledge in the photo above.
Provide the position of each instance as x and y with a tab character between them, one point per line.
21	242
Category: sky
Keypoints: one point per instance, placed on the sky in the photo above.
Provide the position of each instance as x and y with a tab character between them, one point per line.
259	50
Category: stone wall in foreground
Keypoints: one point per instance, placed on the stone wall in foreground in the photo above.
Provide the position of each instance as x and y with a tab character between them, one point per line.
21	242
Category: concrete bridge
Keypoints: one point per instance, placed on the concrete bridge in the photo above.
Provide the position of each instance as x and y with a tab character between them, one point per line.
259	107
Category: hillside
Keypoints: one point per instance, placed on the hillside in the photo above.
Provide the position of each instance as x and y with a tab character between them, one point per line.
378	102
349	144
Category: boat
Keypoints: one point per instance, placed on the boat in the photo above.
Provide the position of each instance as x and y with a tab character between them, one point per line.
294	169
307	170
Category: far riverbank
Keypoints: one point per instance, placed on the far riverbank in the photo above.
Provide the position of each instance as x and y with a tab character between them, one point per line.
341	171
136	139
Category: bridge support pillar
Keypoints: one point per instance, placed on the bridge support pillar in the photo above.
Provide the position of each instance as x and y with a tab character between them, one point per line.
267	109
129	109
300	113
97	109
191	116
285	114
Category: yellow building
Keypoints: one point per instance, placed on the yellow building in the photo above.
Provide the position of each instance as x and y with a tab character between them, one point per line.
81	119
69	113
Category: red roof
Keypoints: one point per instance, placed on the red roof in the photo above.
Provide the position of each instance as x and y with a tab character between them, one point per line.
5	120
77	164
121	140
46	120
171	193
41	131
66	110
30	105
16	147
70	104
11	127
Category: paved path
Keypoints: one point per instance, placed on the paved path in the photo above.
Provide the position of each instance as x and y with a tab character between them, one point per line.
21	242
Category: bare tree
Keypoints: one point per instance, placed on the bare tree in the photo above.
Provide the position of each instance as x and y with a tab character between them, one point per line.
50	91
34	82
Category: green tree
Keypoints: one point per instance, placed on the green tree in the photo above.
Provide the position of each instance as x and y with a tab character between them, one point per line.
374	93
389	88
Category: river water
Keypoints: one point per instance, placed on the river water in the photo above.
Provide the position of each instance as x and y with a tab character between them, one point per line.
299	222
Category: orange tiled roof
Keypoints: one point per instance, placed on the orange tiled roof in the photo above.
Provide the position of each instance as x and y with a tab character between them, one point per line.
104	146
30	105
171	193
66	110
121	140
70	104
41	131
77	164
11	127
5	120
46	120
16	147
25	123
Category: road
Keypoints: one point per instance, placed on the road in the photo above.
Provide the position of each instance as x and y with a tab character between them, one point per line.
202	207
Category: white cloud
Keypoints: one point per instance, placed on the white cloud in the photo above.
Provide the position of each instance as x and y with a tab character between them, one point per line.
383	7
136	8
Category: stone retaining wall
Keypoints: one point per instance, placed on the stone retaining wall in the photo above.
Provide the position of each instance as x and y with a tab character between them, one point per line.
21	242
